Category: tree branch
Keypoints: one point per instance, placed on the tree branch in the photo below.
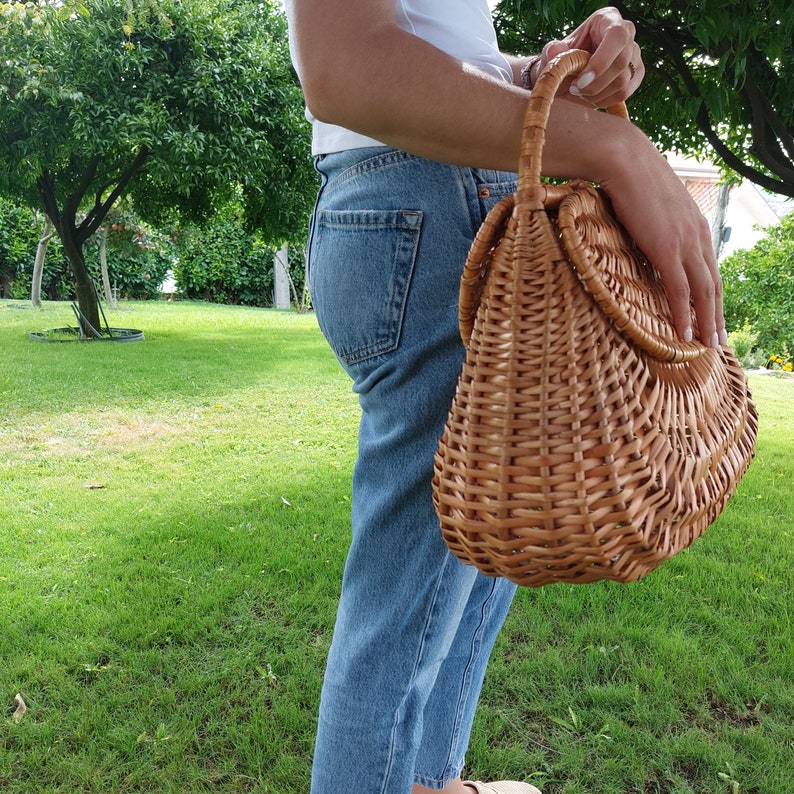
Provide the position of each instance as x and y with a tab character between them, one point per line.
737	164
72	202
784	133
673	52
101	207
769	135
45	184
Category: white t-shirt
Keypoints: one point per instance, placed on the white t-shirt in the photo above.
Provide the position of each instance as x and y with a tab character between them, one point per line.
461	28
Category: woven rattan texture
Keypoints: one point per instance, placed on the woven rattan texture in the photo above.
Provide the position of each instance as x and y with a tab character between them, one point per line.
585	441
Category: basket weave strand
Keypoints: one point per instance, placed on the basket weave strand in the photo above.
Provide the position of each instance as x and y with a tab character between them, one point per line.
585	441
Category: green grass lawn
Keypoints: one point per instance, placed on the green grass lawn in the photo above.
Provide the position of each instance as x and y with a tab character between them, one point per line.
173	524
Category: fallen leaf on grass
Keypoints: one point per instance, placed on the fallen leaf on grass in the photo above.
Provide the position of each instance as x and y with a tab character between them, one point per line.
21	708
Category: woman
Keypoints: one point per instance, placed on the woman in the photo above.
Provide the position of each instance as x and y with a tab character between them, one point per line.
417	120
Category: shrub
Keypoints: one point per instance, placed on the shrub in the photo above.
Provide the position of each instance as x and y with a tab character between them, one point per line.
220	261
138	256
223	262
17	243
744	342
20	231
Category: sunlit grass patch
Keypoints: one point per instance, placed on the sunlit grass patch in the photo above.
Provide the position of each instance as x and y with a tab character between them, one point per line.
174	516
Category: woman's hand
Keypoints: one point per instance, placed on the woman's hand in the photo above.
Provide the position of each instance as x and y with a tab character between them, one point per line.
648	197
615	70
661	216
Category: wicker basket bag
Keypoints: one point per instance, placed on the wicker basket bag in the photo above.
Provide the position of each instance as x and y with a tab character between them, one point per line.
585	440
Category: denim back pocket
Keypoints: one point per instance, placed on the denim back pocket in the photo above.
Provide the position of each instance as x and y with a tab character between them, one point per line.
361	263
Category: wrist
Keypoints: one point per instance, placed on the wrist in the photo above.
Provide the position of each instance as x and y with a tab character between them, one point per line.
586	143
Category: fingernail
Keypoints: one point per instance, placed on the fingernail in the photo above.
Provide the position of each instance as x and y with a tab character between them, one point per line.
688	335
715	340
723	337
585	80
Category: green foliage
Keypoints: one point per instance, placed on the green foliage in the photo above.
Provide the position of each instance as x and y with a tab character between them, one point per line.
19	237
221	261
759	289
18	240
182	105
719	75
138	257
206	87
744	341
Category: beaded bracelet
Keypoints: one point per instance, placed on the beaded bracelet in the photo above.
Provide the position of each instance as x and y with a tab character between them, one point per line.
526	72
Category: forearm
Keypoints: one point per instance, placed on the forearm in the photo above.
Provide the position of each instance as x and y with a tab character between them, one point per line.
417	98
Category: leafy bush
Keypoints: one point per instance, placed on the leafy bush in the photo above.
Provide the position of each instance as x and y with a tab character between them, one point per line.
222	262
759	289
17	243
19	237
744	341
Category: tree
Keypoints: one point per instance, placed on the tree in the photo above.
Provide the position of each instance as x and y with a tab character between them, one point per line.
180	104
759	289
719	75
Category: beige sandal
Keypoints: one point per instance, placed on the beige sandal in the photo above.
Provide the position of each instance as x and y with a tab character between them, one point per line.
503	787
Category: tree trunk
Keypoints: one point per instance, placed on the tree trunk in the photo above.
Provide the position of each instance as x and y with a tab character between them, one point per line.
87	299
73	235
281	278
103	263
38	264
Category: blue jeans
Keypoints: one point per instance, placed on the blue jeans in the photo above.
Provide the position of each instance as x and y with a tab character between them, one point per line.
415	627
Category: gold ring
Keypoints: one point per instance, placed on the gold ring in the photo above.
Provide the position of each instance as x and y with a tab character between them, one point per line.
632	69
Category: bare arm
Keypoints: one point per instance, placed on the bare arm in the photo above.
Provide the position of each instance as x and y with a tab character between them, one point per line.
361	71
374	78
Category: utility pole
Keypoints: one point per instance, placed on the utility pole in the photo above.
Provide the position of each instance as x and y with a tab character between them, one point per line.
718	224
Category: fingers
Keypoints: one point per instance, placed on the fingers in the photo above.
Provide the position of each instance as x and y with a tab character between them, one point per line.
697	285
692	281
705	286
615	70
670	229
553	49
608	82
695	288
550	52
610	86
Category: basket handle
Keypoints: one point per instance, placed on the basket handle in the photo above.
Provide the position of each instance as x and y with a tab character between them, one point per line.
530	193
